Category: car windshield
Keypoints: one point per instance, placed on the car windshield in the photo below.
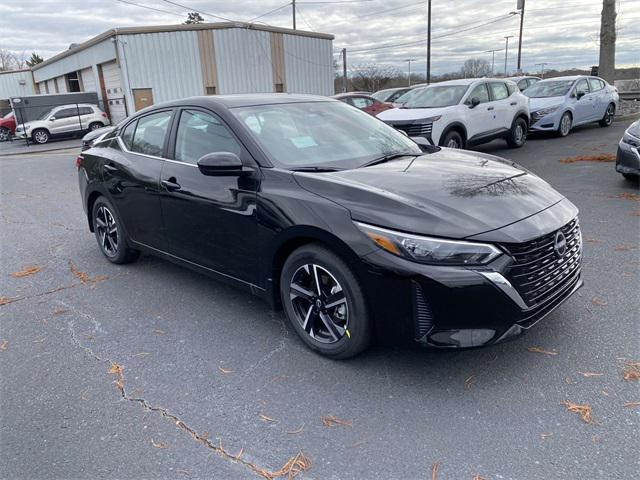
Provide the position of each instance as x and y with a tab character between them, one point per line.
382	95
548	88
433	97
45	115
330	135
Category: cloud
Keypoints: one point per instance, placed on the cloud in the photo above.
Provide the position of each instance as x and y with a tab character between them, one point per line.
561	34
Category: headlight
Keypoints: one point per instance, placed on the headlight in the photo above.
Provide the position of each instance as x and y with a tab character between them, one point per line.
429	120
435	251
631	139
544	112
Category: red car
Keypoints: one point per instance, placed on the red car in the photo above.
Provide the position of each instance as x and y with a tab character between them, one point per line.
365	103
7	126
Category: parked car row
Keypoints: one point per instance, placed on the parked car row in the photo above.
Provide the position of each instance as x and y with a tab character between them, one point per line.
60	121
468	112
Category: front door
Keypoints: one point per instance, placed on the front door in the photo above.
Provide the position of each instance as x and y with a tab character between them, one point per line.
209	220
142	98
584	105
132	176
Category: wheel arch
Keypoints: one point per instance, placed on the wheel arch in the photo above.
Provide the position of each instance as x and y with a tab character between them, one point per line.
91	200
458	126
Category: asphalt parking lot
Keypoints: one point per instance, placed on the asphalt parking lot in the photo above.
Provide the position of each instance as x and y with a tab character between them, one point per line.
199	369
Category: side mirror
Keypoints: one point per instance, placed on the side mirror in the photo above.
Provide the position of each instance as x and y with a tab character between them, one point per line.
221	164
475	101
579	95
51	119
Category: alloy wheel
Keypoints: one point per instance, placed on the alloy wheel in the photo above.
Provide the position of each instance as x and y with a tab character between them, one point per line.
41	136
319	303
519	134
94	126
453	143
565	125
4	134
608	116
107	231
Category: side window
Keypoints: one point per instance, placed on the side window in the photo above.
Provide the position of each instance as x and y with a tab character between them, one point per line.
65	113
498	90
200	133
361	102
533	81
150	134
86	111
512	88
127	134
480	92
522	84
582	87
596	84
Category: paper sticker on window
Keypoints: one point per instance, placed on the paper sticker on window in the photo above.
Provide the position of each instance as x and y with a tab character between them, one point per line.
304	142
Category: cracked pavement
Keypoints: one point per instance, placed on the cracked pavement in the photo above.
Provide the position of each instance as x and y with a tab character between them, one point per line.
219	362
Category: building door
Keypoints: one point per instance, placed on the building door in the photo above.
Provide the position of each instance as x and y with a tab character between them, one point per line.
113	89
142	98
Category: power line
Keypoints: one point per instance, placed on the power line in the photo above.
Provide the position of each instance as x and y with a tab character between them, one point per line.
270	12
336	1
391	9
191	9
304	19
150	8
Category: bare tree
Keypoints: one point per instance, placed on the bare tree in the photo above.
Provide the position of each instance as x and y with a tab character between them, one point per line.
7	60
371	77
475	68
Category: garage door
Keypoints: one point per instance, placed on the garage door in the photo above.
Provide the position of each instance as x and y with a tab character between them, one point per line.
115	94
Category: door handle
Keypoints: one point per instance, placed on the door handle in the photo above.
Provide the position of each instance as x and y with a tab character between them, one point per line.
513	104
490	108
171	185
109	168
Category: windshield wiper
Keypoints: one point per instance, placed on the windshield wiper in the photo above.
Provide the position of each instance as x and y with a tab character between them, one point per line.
316	169
386	158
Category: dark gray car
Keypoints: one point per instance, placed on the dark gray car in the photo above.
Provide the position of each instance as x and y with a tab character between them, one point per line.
628	158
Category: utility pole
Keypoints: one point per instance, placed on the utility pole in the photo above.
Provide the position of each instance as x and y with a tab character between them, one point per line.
541	68
521	9
410	60
493	58
506	52
429	42
607	62
344	70
293	10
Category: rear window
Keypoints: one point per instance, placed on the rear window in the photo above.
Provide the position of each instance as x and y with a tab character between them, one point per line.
85	111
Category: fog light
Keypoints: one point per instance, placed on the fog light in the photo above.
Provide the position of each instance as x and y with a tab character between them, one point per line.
462	338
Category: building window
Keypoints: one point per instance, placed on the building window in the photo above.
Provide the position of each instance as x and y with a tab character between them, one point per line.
279	88
73	82
211	90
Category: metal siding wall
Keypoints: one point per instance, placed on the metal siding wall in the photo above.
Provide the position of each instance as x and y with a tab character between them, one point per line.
166	62
243	61
99	53
308	65
62	84
88	80
10	85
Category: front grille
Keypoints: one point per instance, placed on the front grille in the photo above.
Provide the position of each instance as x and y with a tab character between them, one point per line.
416	129
538	273
423	317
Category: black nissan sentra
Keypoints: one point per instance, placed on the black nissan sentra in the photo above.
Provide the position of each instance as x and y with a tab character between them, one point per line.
352	228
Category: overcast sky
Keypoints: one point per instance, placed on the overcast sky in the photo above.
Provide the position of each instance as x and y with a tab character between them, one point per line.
563	33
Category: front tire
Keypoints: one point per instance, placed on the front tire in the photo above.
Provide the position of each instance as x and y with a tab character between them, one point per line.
95	125
110	234
452	140
566	122
323	300
40	136
518	134
607	120
5	134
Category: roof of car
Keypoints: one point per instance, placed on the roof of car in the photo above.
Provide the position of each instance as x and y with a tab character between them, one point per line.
567	77
246	100
351	94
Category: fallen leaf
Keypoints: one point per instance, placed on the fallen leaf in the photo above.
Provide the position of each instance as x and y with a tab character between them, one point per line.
59	311
478	477
540	350
602	157
159	445
631	371
591	374
567	380
435	466
629	196
184	472
82	276
264	418
26	271
83	395
623	248
237	457
631	404
116	370
546	435
4	344
599	302
295	432
295	465
225	370
332	421
7	300
142	354
605	393
595	241
159	332
468	382
583	410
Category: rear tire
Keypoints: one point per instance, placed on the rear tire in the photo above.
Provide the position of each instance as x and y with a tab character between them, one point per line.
518	134
631	177
40	136
95	125
323	300
566	122
607	120
110	233
452	140
5	134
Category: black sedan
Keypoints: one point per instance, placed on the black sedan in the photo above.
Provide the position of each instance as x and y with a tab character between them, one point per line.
358	233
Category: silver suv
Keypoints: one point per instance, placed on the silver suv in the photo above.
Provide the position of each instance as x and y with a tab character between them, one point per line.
64	120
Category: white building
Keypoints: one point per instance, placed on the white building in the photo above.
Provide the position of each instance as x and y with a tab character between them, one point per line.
131	68
16	83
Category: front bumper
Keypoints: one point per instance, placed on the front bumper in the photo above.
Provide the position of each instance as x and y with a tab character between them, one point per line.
548	123
457	307
413	128
628	159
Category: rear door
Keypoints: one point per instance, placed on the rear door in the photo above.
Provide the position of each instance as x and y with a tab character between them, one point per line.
481	118
132	176
505	107
209	220
601	98
65	121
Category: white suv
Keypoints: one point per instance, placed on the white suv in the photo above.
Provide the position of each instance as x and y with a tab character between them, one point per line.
64	120
463	113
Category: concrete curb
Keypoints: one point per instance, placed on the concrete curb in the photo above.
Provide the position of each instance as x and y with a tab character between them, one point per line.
32	152
624	118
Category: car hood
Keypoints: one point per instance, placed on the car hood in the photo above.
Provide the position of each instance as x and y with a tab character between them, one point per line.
538	103
93	134
408	114
450	193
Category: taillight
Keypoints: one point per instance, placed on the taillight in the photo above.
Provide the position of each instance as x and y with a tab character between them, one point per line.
79	161
104	115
